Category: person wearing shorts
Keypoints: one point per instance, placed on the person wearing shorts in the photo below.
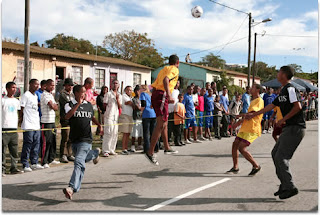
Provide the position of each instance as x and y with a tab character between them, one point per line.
268	99
200	112
125	119
208	116
161	97
249	131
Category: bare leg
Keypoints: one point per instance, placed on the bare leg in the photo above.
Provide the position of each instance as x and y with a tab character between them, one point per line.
164	135
247	155
133	139
195	131
139	141
200	131
235	154
185	131
125	139
156	134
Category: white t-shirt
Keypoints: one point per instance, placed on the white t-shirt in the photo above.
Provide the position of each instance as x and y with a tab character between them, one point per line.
31	119
48	114
112	110
174	95
195	98
10	106
126	109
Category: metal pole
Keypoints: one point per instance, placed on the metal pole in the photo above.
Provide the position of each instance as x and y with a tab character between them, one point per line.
26	46
254	57
249	50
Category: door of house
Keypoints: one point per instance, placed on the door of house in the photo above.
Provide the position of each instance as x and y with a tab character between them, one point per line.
113	76
60	72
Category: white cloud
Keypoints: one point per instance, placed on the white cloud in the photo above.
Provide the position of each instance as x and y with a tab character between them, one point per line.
168	22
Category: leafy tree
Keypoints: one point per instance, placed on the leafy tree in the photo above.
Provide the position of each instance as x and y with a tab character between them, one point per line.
265	72
70	43
135	47
223	81
8	39
297	68
213	61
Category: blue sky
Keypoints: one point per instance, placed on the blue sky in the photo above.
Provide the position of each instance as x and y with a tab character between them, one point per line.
174	30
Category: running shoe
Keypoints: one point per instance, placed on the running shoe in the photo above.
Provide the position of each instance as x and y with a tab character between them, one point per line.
197	141
182	143
187	141
152	159
55	162
105	154
125	152
27	169
170	151
202	138
269	131
46	166
233	171
113	153
36	166
264	131
254	171
64	159
285	194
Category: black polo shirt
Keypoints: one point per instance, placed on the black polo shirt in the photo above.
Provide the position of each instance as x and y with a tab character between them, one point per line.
288	95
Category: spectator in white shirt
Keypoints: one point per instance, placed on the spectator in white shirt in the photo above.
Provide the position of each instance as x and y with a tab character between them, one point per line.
175	93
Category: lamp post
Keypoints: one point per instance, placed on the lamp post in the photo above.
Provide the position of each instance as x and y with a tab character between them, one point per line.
251	24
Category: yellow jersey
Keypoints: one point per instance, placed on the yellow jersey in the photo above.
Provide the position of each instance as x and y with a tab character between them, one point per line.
172	72
278	113
253	125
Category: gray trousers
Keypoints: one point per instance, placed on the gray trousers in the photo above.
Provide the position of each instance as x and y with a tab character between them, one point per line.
282	152
10	140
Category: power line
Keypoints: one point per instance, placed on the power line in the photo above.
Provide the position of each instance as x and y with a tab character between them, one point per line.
240	11
278	35
232	36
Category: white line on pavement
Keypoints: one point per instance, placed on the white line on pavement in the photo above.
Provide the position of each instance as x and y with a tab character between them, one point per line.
170	201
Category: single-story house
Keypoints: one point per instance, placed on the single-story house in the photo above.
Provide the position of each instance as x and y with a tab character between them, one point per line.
55	64
199	74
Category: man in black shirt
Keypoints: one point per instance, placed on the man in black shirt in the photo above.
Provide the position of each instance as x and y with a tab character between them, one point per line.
80	113
292	133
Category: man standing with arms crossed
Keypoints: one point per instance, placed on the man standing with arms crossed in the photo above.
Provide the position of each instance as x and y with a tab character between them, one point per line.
161	97
292	133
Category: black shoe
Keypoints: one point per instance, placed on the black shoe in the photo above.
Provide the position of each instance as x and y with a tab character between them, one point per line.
254	171
182	143
178	144
233	170
278	192
152	159
285	194
16	171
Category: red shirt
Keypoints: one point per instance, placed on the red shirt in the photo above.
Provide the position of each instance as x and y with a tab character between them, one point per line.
200	107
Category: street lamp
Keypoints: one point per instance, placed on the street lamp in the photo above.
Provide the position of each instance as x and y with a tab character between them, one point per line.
252	24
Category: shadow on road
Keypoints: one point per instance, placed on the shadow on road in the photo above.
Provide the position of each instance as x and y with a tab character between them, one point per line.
257	155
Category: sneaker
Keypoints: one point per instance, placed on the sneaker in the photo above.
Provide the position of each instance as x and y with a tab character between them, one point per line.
254	171
233	170
139	148
96	160
27	169
170	151
68	192
55	162
210	138
269	131
105	154
202	138
64	159
113	153
197	141
182	143
187	141
125	152
191	139
4	175
16	171
178	144
71	158
152	159
36	166
285	194
264	131
133	150
46	166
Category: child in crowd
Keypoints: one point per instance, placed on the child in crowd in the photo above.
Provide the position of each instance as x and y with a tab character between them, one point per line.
235	108
125	119
199	112
137	130
208	107
179	116
217	112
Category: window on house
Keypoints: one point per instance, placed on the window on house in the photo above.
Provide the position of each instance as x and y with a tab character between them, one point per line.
77	74
99	78
136	79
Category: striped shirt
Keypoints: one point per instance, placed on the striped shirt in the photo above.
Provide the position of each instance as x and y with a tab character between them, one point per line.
48	114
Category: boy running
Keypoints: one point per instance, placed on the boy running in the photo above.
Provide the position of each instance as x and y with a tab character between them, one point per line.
249	131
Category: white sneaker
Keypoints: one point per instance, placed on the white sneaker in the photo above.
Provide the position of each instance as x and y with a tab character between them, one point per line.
36	166
46	166
202	138
55	162
133	148
197	141
105	154
113	153
191	139
187	141
264	131
269	131
27	169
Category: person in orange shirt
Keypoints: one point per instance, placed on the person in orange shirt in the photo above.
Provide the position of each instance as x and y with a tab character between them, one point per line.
161	97
277	116
249	131
179	116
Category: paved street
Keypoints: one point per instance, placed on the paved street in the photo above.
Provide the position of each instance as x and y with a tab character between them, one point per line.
131	183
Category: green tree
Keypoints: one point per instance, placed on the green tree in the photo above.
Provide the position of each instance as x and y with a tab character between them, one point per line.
70	43
297	68
213	61
265	72
135	47
223	81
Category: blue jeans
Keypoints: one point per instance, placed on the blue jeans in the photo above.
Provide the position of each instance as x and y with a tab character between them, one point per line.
83	154
30	148
148	125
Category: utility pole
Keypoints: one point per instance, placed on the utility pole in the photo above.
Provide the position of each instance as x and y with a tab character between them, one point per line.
26	45
254	58
249	50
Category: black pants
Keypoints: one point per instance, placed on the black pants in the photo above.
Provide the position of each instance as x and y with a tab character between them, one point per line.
65	145
178	129
225	125
10	140
216	124
49	144
170	126
148	125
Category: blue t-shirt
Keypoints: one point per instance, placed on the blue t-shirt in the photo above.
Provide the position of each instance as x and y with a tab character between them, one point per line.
39	93
208	104
268	99
245	102
224	101
148	112
189	105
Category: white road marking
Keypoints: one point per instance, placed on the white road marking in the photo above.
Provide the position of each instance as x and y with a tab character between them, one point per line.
170	201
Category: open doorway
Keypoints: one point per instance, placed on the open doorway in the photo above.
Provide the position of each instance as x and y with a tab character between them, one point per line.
60	73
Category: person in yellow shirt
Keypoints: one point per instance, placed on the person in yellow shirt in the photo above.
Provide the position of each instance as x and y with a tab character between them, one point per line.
249	131
277	116
161	97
